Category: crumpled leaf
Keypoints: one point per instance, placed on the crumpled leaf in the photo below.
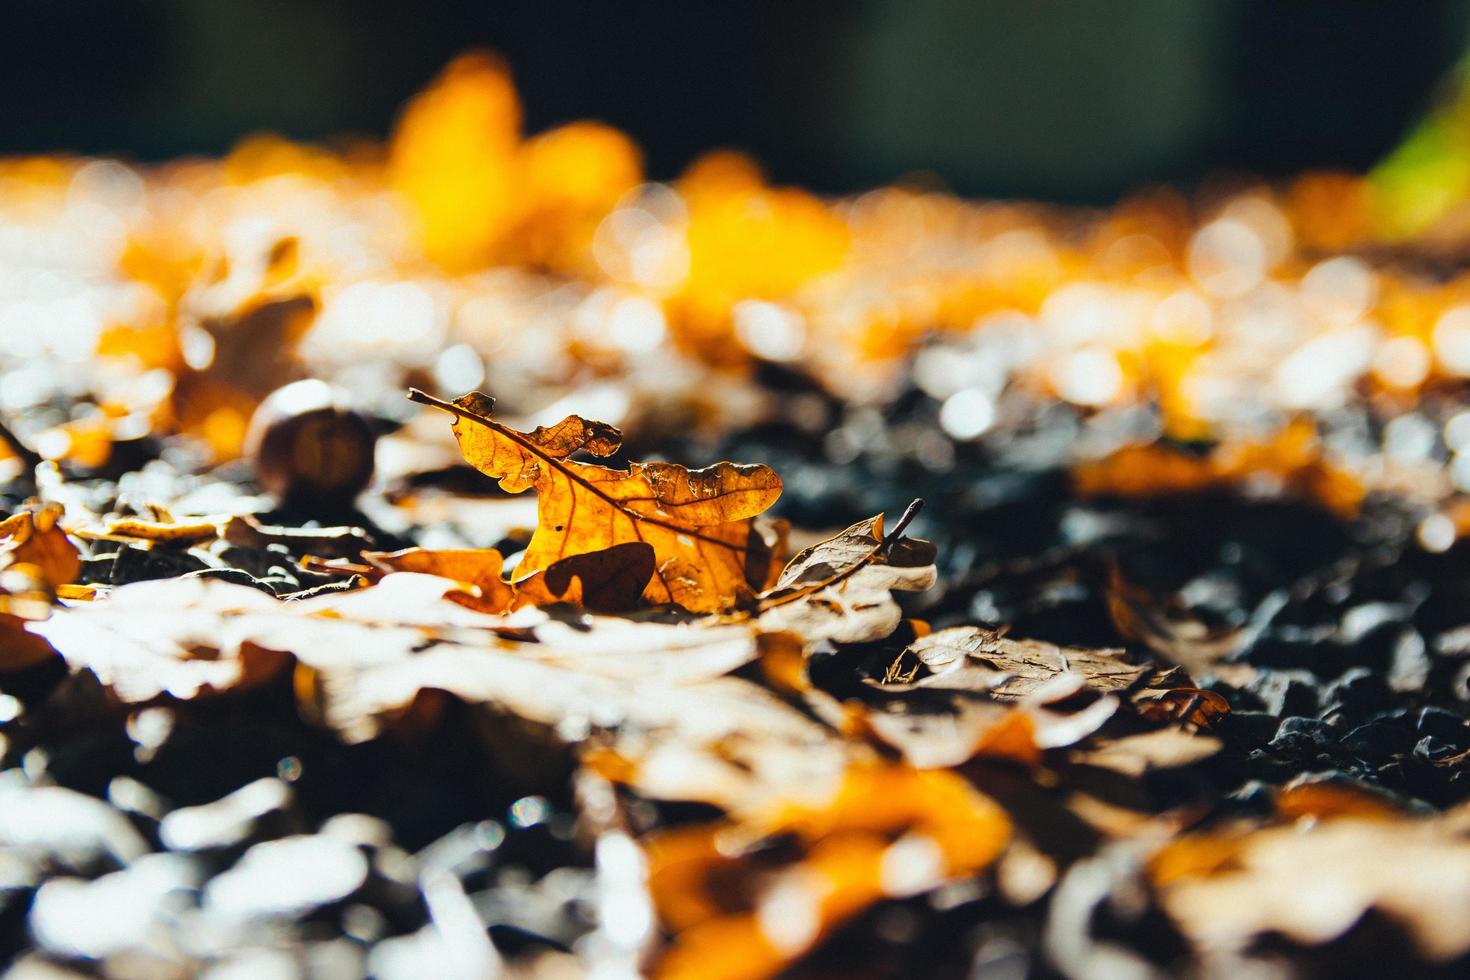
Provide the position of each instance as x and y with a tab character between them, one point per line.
186	637
180	638
698	522
977	658
841	589
888	832
1182	704
1313	881
611	580
974	692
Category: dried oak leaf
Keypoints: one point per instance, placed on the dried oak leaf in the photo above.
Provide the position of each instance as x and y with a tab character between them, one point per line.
1313	881
698	522
888	831
842	589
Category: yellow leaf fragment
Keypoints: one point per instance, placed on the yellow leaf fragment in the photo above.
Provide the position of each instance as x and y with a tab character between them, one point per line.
34	537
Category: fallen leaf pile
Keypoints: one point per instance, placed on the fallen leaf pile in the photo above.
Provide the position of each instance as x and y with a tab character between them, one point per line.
643	644
658	701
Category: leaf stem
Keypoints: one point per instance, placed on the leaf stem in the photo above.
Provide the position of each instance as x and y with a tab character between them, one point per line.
909	513
424	398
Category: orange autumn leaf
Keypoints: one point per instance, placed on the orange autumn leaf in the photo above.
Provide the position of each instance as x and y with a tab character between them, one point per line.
18	647
698	522
1327	799
1292	460
34	537
477	569
889	831
611	580
453	158
25	598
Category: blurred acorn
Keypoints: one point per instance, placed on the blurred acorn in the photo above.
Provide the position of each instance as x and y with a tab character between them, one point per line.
311	452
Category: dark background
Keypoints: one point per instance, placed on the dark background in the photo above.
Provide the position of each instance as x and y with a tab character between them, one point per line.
1067	99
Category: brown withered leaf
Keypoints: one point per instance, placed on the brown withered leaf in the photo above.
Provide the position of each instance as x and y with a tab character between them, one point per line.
842	589
1181	704
39	559
974	692
698	522
1172	632
19	648
178	638
977	658
1312	881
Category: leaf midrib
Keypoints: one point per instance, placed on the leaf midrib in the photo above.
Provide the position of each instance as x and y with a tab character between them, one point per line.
613	502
